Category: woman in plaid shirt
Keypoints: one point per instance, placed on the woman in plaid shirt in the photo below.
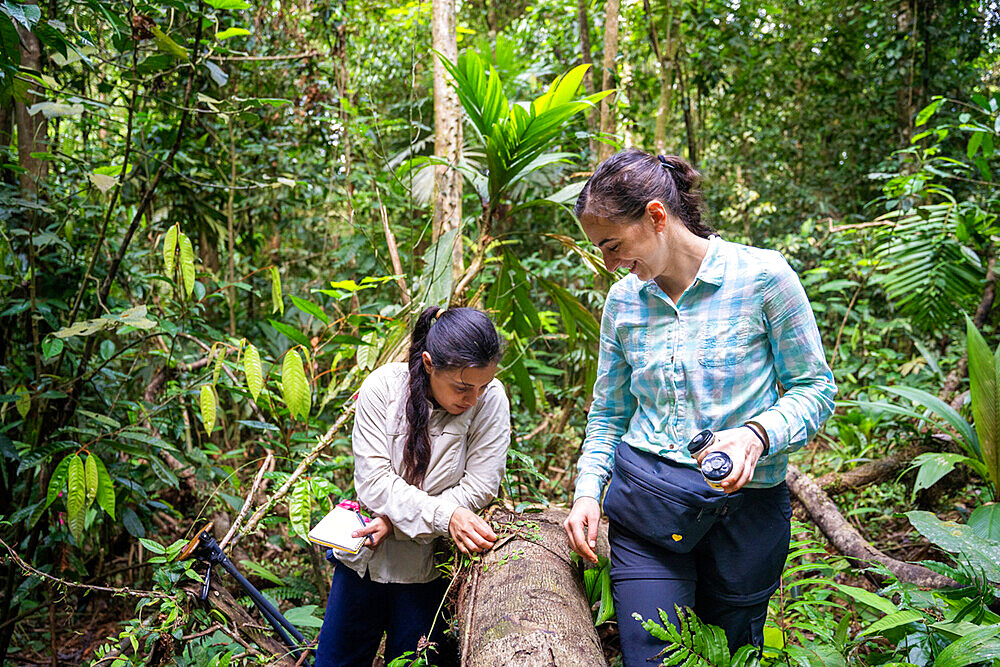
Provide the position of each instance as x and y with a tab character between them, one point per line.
702	334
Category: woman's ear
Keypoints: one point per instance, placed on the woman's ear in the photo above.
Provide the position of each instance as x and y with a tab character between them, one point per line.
657	213
428	362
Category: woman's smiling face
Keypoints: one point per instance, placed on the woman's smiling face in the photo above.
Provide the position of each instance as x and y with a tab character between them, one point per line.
637	246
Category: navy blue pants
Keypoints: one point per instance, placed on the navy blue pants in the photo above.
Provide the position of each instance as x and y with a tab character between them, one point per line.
727	578
359	610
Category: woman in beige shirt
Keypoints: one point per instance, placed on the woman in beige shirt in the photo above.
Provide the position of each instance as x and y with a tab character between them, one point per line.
430	442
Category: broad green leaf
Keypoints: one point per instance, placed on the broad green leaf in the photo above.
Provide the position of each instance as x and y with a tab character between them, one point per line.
884	605
220	358
227	4
367	352
310	308
208	407
607	609
959	538
57	482
299	508
252	369
985	521
51	347
291	332
231	32
985	392
436	277
91	480
167	45
305	616
924	114
153	546
893	620
294	388
932	466
943	411
277	304
23	402
263	572
76	497
979	647
187	262
170	249
105	488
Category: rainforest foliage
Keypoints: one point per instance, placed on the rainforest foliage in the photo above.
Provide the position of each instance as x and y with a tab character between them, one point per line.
219	217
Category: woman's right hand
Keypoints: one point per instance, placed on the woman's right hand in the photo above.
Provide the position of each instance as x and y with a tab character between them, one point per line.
581	527
470	532
378	528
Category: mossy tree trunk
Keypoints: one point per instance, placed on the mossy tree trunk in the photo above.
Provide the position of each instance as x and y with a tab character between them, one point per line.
523	603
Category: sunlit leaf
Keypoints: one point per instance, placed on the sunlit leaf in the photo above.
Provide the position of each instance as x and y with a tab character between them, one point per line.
76	497
208	403
299	506
187	262
91	480
294	388
23	401
105	488
252	370
277	304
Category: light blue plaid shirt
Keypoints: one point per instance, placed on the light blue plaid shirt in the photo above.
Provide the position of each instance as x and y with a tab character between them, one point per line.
714	360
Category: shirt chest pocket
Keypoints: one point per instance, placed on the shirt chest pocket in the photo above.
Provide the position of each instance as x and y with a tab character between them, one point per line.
724	343
633	341
448	456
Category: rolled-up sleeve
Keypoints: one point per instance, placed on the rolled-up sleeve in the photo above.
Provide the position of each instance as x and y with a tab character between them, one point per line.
800	363
610	412
411	510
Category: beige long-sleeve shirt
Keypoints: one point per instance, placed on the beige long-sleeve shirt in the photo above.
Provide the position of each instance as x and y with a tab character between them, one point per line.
468	454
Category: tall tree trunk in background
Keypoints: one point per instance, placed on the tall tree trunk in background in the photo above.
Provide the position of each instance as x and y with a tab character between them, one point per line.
31	130
9	176
447	132
689	120
609	104
906	30
665	51
589	81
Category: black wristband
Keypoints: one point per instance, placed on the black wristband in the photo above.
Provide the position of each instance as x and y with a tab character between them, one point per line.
763	442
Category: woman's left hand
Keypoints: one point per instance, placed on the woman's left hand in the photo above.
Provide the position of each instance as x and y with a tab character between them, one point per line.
743	447
378	528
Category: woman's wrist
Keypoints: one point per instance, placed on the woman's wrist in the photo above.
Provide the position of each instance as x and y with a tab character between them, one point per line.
761	433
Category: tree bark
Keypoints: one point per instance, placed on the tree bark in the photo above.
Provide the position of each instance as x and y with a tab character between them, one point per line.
665	53
848	541
447	132
868	473
31	130
523	602
590	80
609	78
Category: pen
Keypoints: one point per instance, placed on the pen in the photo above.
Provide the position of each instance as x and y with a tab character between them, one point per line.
363	524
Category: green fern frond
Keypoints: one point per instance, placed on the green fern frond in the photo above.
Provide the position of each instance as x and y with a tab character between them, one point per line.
696	644
923	268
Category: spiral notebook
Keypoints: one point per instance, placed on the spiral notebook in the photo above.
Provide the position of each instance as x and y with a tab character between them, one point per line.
335	529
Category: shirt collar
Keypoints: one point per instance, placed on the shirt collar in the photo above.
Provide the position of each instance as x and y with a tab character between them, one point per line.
712	269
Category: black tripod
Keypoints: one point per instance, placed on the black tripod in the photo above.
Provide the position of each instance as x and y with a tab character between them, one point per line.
204	548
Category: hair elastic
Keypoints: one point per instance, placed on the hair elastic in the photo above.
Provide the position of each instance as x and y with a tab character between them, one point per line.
665	164
438	313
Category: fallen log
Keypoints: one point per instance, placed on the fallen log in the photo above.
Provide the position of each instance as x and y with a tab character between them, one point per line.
834	483
523	602
847	540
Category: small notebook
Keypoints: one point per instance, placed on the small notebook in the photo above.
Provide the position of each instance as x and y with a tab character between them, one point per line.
335	530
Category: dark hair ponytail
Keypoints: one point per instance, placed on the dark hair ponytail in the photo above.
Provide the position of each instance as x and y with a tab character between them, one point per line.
623	184
454	338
